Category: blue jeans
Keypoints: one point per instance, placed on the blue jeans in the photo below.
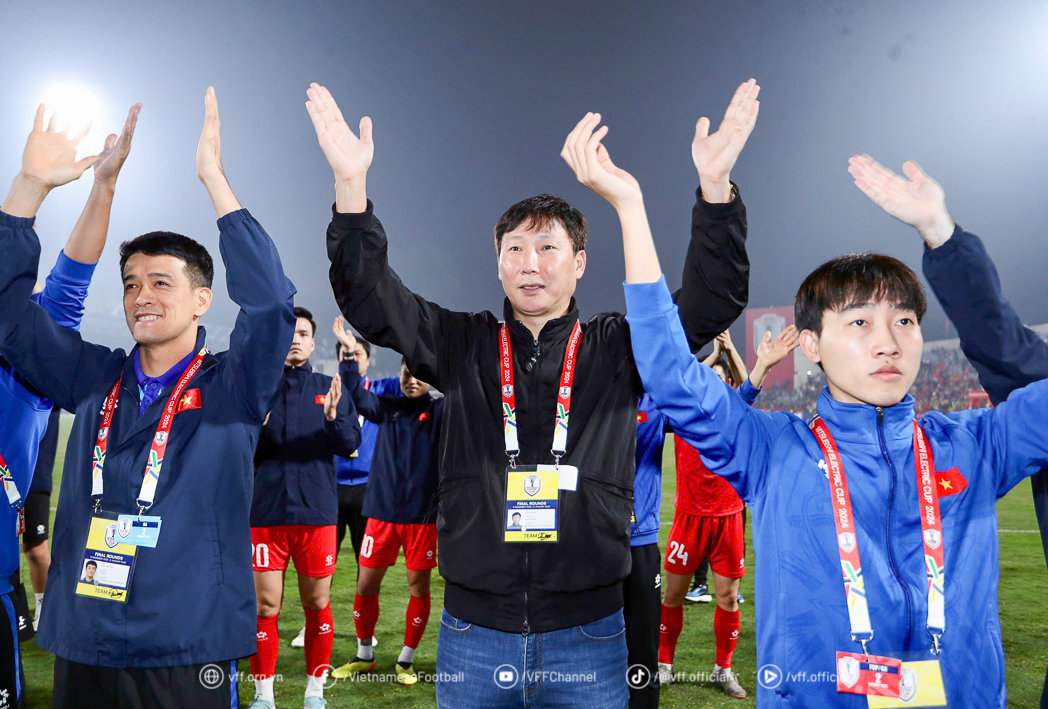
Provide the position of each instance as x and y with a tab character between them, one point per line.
582	666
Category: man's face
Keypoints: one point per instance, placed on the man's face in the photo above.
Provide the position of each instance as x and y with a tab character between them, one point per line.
89	571
160	303
870	352
538	269
719	370
302	345
411	387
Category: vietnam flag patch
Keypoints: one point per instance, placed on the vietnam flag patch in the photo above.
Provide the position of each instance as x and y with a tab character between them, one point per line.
950	482
642	417
190	400
424	416
320	399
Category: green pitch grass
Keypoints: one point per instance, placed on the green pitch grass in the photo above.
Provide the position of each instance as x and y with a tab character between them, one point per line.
1023	608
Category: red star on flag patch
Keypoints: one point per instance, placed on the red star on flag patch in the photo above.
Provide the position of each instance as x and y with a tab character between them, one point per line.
950	482
190	400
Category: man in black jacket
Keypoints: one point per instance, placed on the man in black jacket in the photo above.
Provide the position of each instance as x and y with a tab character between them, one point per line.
506	445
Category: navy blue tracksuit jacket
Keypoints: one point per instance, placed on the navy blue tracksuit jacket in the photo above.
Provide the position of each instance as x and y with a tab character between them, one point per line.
296	481
402	486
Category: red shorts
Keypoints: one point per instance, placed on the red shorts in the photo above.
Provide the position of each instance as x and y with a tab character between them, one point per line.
382	542
695	537
311	547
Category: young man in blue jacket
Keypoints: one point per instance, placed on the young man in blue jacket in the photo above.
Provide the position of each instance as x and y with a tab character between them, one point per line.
158	469
295	507
26	414
1006	354
854	538
401	507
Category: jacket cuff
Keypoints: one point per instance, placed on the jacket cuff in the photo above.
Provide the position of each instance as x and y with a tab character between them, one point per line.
719	210
72	270
17	222
352	220
648	299
950	246
239	215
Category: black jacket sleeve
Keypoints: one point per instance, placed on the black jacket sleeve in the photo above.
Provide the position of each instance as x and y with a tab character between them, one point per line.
1006	354
376	302
715	284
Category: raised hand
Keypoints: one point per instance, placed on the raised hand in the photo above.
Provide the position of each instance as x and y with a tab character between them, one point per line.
209	149
209	159
50	153
589	159
915	199
349	156
334	395
723	341
112	158
774	351
715	155
344	336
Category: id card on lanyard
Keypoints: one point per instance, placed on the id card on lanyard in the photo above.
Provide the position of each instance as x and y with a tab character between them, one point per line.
14	497
532	491
886	681
113	543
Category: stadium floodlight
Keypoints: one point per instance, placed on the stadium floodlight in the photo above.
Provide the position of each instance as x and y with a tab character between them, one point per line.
75	106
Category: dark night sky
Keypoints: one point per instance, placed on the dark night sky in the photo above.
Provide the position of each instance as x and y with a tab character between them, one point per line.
472	100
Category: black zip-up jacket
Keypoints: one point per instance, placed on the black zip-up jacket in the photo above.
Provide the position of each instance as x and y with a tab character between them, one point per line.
535	587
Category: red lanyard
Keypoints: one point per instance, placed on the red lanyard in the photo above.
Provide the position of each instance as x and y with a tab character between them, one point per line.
157	448
509	399
14	497
848	543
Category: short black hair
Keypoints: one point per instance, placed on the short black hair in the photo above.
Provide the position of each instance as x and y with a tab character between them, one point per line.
722	362
856	278
199	267
91	562
540	212
360	341
303	313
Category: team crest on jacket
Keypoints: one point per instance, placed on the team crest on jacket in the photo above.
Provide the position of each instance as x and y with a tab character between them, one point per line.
507	390
848	671
933	538
532	484
160	438
110	536
847	541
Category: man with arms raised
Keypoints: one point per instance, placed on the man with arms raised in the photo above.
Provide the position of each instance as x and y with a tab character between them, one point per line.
158	471
509	443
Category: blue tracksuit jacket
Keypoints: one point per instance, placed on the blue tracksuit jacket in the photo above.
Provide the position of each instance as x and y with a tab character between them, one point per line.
24	412
192	598
773	461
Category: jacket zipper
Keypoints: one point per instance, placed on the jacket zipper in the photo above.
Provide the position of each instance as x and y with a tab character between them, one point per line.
891	554
525	630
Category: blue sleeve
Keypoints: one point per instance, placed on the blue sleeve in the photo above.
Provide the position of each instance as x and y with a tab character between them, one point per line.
748	392
65	291
1005	354
265	325
1013	437
54	360
733	438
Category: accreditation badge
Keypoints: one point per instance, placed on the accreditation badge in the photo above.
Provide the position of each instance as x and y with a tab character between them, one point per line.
105	570
868	674
920	685
138	530
531	503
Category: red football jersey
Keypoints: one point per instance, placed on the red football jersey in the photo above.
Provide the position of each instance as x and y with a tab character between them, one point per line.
700	492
